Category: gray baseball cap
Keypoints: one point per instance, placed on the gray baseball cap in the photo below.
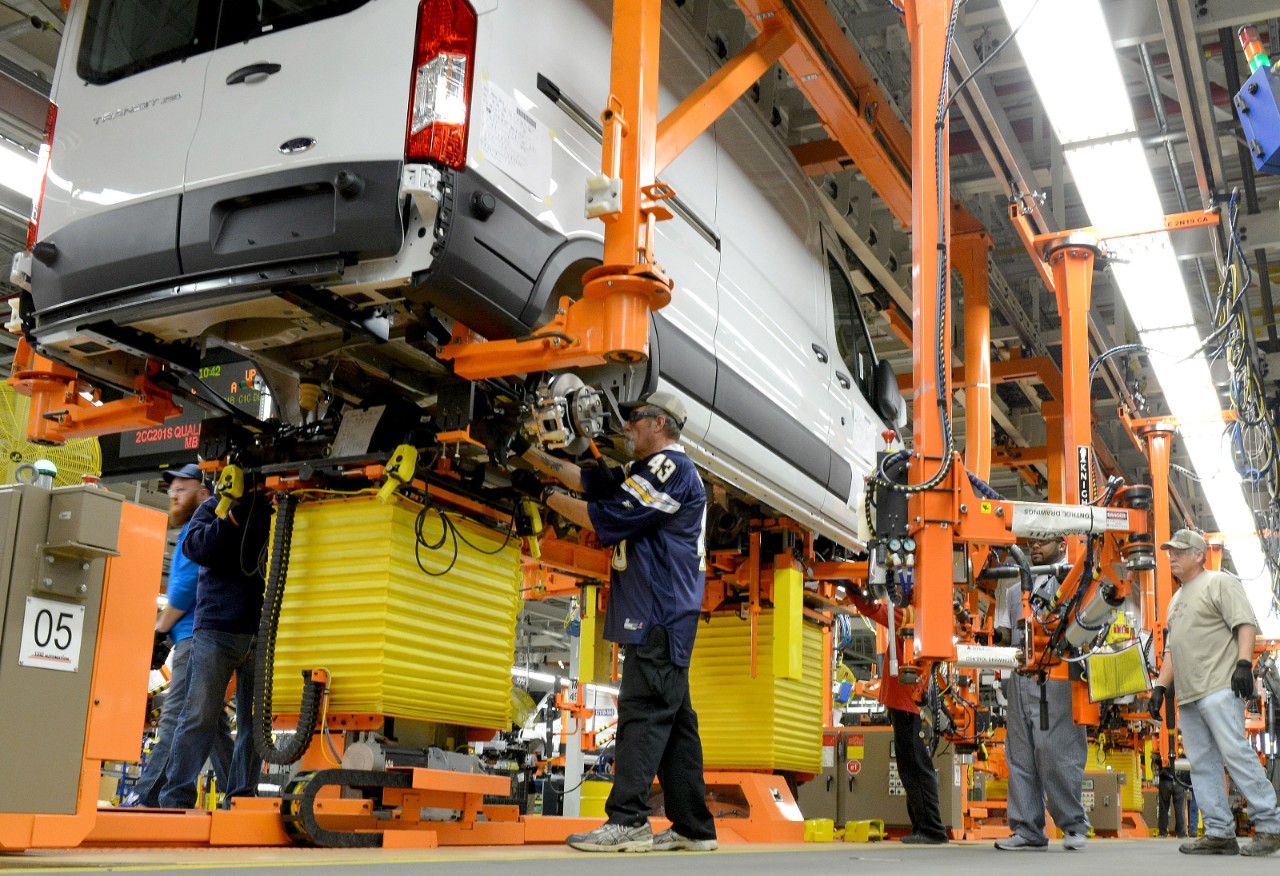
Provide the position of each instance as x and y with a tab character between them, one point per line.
666	402
1184	539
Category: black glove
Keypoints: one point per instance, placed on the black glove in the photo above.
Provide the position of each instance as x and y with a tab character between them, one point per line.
518	445
1157	700
160	650
1242	679
526	483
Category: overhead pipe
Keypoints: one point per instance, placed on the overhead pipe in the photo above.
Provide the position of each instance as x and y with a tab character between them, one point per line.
1157	104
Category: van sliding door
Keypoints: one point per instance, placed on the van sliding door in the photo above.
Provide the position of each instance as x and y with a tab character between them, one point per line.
772	403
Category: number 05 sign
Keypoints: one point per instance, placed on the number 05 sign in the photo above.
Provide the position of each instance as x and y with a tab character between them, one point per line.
51	635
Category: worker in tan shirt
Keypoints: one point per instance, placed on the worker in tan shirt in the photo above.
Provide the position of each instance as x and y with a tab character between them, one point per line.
1209	659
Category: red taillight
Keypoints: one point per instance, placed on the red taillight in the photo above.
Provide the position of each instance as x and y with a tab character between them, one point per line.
46	146
440	93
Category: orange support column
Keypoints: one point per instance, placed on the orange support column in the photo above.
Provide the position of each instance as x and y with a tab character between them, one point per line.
970	249
931	509
1156	436
1071	260
1055	445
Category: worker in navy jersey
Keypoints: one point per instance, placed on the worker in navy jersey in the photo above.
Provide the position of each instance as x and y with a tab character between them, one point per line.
915	763
652	514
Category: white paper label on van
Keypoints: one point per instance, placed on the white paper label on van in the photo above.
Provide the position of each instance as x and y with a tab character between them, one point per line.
513	141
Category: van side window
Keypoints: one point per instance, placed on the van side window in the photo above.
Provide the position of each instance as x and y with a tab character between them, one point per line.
852	339
245	19
124	37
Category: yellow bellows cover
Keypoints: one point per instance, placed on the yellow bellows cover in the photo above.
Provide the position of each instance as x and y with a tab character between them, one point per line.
762	722
1118	673
395	640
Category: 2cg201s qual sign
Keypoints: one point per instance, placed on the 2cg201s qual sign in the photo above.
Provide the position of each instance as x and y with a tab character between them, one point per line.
52	632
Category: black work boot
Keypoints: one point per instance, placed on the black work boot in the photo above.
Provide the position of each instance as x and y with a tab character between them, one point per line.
1211	845
1263	844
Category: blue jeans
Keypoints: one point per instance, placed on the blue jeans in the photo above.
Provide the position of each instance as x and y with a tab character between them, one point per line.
215	657
1213	737
151	781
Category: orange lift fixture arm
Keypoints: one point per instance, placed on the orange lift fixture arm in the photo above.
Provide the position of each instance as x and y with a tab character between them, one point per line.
610	323
60	413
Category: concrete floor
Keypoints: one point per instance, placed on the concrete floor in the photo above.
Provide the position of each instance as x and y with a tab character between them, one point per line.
1129	857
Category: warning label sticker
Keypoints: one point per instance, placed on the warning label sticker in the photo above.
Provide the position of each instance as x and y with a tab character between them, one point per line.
1046	521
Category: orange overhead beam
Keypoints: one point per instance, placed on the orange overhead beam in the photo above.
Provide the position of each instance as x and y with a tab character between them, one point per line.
1040	368
1017	457
821	156
829	73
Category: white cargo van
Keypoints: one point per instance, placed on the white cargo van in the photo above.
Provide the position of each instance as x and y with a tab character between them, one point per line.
325	186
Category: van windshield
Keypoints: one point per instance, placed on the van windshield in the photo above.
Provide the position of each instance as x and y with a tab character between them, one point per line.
124	37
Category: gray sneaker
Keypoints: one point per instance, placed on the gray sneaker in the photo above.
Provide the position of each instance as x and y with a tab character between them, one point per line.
610	837
1263	844
1074	842
1019	843
670	841
1212	845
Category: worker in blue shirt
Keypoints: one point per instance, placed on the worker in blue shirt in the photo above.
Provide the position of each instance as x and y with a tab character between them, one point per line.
187	489
652	513
230	552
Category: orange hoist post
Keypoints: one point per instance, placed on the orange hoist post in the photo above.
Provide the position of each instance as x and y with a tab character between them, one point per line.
60	413
930	510
1153	436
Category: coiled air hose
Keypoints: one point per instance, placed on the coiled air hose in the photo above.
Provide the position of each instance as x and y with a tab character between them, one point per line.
313	683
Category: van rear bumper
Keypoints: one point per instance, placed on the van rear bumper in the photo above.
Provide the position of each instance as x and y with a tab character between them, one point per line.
351	208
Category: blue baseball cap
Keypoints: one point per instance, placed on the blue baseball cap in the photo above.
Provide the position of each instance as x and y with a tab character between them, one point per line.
190	471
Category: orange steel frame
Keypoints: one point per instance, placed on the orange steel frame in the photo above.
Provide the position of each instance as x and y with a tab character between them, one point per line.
610	322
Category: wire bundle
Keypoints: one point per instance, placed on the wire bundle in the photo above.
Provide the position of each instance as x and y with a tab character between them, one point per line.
1253	434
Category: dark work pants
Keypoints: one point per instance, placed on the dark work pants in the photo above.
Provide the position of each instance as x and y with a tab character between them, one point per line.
919	780
1172	792
658	736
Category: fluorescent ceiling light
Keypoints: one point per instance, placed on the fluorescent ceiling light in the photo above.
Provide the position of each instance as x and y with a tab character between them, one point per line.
18	170
1117	202
1070	56
1084	94
1146	270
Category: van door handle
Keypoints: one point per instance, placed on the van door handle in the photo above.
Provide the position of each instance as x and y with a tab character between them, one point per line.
822	354
844	379
255	72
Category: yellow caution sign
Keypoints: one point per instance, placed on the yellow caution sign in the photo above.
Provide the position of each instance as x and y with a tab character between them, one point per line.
986	507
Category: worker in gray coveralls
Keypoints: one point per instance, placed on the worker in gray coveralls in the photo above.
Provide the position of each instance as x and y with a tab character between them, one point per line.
1046	763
